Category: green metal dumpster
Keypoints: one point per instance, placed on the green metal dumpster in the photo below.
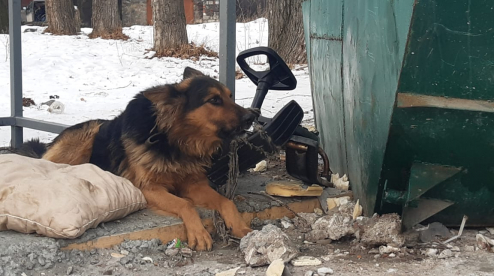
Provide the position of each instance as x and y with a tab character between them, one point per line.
403	96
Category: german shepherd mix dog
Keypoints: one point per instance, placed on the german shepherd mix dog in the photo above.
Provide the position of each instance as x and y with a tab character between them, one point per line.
163	143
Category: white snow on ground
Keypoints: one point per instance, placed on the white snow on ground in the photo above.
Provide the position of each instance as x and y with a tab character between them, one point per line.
96	78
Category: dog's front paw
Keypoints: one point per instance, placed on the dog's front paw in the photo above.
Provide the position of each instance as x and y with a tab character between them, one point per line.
241	232
199	239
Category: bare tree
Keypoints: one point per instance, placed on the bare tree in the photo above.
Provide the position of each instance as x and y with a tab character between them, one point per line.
286	32
61	17
106	20
248	10
4	17
170	27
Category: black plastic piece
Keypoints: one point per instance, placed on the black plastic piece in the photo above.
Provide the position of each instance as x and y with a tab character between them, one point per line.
279	129
303	165
277	77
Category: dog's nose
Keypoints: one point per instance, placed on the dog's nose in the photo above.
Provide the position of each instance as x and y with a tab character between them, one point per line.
248	118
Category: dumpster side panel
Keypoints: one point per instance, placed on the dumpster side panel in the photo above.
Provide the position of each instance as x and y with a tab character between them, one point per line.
445	110
323	27
452	51
373	47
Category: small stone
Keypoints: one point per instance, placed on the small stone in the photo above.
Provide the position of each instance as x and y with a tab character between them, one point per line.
388	249
305	261
490	229
187	252
108	272
276	268
445	254
41	261
261	166
318	211
324	271
125	260
124	252
483	232
230	272
147	259
308	273
117	255
129	266
392	270
326	258
373	251
392	255
325	241
377	256
469	248
431	252
455	249
70	270
286	224
171	251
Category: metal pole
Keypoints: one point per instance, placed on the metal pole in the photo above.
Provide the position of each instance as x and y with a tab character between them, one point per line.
227	43
15	69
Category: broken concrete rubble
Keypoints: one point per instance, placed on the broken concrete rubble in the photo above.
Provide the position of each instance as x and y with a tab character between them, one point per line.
276	268
340	222
382	230
332	227
264	246
484	242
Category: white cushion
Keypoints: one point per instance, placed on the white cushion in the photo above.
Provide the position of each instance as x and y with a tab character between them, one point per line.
59	200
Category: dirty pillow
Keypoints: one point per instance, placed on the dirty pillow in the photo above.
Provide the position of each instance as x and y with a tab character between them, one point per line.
59	200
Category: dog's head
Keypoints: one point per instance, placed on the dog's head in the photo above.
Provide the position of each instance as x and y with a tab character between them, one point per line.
198	114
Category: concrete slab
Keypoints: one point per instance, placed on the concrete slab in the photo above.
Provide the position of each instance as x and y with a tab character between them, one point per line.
147	225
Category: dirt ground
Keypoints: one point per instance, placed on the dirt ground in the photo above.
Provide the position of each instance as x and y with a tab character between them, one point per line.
344	257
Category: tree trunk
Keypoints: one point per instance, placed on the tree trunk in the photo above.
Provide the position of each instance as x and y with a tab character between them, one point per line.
4	17
60	15
286	31
106	20
170	27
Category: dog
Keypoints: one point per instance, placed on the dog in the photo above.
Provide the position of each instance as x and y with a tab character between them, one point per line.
163	142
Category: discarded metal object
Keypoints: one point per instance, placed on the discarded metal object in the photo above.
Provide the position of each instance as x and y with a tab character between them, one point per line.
282	131
463	221
302	161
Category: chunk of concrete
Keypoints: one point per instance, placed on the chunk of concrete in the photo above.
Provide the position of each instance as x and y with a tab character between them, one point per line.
267	245
334	227
382	230
276	268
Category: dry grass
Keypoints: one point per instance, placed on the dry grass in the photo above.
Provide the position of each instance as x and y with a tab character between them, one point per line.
187	51
114	35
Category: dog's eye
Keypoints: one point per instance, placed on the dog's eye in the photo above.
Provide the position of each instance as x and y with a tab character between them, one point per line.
216	100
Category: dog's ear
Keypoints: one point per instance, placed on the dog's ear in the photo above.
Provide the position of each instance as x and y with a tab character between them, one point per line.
161	93
191	72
